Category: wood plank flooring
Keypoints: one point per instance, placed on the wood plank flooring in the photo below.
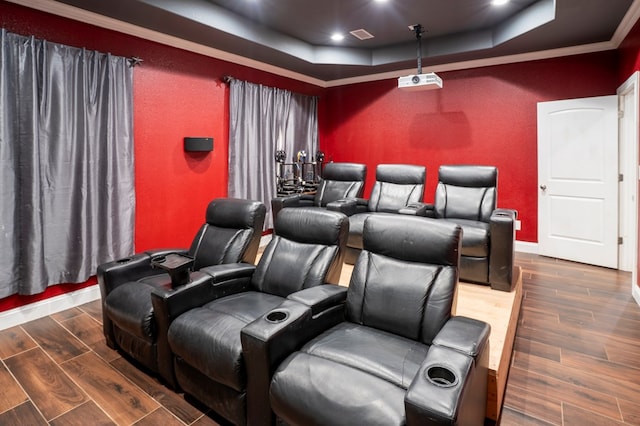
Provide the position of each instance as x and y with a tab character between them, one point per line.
576	358
576	361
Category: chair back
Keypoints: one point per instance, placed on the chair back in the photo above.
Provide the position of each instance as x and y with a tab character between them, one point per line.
340	180
231	233
307	250
396	186
405	278
466	192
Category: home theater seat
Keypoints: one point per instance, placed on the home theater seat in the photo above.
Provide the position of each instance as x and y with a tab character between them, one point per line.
467	195
398	356
218	360
338	181
230	234
396	186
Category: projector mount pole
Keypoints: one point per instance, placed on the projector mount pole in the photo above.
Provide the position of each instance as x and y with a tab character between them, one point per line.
417	28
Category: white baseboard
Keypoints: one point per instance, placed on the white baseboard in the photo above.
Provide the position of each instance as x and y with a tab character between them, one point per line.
49	306
526	247
635	292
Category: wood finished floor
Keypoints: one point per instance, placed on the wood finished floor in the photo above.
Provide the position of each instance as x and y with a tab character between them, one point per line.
576	361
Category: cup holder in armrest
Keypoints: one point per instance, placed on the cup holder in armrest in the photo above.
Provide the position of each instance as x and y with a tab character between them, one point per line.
159	259
441	376
277	316
123	260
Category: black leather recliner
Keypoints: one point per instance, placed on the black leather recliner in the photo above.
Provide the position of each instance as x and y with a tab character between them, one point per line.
339	180
397	357
213	361
231	234
396	186
467	195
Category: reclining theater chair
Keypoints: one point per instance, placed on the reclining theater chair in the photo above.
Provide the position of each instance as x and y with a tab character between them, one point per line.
212	362
396	186
467	195
398	356
231	234
339	180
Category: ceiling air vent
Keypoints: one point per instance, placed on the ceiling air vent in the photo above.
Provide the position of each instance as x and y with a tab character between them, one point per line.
361	34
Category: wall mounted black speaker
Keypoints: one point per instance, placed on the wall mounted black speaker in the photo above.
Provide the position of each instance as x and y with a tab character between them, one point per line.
198	144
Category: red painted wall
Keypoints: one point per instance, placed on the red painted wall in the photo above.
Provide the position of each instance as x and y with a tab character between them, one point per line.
485	116
481	116
176	94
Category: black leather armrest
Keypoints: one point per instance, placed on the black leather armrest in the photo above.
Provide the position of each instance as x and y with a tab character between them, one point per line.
228	271
451	385
206	285
501	259
132	268
418	209
345	205
286	201
440	393
306	200
267	341
466	335
320	297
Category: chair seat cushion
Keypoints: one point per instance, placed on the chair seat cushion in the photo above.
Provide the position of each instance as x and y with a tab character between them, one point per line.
371	366
475	237
129	307
208	338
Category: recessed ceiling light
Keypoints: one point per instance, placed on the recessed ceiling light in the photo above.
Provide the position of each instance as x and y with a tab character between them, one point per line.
499	2
337	37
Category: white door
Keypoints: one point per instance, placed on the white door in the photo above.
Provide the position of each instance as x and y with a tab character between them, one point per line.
578	180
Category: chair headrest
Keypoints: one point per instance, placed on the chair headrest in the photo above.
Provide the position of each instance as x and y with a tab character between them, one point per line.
413	239
402	174
311	225
468	175
344	172
235	213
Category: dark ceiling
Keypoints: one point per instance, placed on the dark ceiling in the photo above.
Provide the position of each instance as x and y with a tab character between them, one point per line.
294	35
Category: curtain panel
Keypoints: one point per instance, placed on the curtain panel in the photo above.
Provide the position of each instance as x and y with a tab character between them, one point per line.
66	162
263	120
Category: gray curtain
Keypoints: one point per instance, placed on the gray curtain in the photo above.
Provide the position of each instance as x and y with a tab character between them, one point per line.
263	120
66	162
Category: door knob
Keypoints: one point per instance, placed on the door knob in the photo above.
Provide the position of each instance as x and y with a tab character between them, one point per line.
543	187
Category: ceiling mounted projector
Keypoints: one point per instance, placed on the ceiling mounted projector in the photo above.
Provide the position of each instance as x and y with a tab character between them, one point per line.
419	81
428	81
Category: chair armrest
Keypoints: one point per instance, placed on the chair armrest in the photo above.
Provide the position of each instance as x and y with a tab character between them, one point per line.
306	200
418	209
321	297
132	268
451	385
347	206
267	341
206	285
443	392
286	201
465	335
228	271
501	259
